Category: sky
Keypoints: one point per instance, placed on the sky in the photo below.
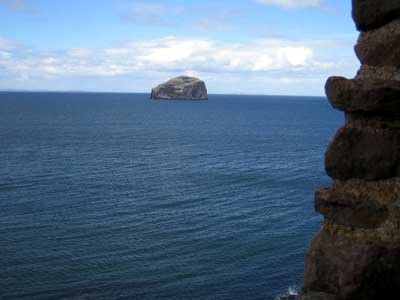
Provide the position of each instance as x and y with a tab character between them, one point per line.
273	47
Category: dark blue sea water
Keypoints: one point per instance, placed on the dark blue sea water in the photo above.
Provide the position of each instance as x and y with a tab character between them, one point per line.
114	196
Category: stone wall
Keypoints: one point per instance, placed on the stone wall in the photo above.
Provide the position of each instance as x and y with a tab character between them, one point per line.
356	254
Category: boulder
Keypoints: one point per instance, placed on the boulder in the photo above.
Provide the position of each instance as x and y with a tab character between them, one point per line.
380	47
355	95
341	207
182	87
364	152
371	14
383	193
351	268
368	72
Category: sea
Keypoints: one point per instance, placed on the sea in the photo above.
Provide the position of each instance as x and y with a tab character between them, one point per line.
115	196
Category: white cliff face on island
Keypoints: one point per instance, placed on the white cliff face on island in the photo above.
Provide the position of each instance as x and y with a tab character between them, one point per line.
182	87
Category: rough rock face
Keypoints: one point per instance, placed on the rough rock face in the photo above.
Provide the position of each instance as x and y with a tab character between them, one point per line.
364	152
371	44
370	14
354	95
356	255
182	87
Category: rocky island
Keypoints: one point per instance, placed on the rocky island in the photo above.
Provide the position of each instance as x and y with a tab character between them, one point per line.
182	88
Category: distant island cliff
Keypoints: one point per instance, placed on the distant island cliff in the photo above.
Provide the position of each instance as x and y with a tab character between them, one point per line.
182	87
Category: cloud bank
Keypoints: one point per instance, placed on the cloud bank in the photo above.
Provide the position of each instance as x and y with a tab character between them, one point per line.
284	61
167	54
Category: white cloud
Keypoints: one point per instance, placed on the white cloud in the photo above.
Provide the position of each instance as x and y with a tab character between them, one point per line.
276	60
165	55
292	3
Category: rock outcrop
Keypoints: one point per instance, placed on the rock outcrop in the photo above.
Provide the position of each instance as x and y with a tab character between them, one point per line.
371	14
356	255
183	87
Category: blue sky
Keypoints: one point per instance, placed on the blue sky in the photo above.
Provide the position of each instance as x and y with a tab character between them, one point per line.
286	47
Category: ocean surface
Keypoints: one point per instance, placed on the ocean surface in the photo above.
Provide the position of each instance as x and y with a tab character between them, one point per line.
115	196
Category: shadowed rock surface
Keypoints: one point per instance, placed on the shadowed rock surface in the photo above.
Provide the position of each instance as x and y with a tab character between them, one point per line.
371	14
351	267
356	254
183	87
364	152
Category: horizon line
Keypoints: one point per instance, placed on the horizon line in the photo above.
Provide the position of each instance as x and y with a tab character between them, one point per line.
121	92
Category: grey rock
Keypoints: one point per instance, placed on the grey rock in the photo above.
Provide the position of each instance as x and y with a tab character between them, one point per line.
364	152
371	14
381	46
341	207
182	87
356	95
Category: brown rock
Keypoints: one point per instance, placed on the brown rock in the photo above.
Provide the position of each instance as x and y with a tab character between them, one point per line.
371	14
373	120
356	255
351	269
368	72
381	192
354	95
364	152
340	207
318	296
380	47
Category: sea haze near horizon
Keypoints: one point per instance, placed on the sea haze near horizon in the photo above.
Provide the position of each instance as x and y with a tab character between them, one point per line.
115	196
